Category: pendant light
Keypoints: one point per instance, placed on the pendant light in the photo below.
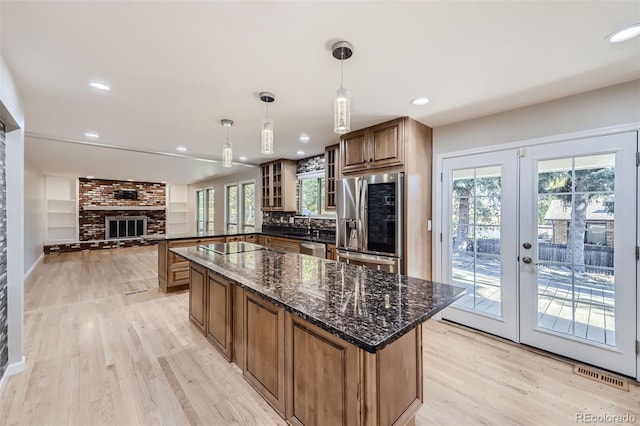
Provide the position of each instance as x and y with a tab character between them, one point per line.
342	51
266	136
227	152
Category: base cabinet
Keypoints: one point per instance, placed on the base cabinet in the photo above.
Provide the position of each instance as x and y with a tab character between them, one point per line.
322	377
308	375
219	314
197	297
264	349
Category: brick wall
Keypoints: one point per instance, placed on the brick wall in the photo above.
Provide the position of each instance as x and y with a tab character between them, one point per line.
99	192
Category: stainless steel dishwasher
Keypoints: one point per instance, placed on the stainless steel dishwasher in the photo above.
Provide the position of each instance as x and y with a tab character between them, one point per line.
313	249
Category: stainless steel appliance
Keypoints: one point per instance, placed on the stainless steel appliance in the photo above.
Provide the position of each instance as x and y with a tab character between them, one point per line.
313	249
369	227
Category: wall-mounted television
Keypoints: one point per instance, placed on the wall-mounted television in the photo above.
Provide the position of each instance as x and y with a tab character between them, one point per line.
125	195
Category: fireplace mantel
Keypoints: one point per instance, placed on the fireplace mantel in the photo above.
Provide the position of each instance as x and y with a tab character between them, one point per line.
123	207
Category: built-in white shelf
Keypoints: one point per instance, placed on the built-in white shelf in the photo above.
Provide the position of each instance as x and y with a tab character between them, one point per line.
177	208
61	209
123	207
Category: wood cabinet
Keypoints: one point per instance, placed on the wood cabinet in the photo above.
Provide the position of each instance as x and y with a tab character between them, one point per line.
197	297
375	147
285	244
264	349
400	145
278	191
253	238
308	375
234	238
322	376
173	270
219	326
331	252
331	173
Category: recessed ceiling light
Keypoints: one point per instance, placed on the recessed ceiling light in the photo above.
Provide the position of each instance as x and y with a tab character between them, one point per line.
90	177
419	101
100	86
181	148
624	34
92	135
304	138
163	181
130	180
242	158
300	152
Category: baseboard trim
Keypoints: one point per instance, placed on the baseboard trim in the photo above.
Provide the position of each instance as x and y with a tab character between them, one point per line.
15	368
26	274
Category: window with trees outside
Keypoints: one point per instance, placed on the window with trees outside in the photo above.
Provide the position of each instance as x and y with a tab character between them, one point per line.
311	194
205	211
240	207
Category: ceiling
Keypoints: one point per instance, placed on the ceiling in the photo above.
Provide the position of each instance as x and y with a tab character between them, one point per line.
177	68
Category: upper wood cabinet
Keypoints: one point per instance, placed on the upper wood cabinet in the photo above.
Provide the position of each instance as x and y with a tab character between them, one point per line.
279	186
331	173
374	147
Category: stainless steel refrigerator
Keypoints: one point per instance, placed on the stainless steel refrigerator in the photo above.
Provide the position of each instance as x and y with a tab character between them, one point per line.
369	228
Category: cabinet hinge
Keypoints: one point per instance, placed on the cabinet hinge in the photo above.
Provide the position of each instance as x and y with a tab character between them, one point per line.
440	177
441	237
637	347
637	159
637	253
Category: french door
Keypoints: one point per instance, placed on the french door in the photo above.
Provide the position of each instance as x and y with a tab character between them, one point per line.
480	217
543	238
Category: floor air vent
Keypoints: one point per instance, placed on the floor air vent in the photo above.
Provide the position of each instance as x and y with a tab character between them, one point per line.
601	377
136	292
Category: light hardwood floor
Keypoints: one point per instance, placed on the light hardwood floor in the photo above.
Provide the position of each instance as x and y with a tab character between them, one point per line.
105	346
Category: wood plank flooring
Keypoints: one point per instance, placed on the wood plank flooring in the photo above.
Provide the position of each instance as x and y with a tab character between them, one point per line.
105	347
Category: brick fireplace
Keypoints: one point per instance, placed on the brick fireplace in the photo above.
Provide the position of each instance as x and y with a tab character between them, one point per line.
100	199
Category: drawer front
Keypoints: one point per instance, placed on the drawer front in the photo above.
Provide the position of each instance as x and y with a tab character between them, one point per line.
251	238
285	244
179	276
234	238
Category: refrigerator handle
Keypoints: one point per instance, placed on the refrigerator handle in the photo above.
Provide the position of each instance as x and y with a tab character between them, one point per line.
358	212
364	201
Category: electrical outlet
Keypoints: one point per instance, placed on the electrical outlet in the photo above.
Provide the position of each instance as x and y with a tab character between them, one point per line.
291	220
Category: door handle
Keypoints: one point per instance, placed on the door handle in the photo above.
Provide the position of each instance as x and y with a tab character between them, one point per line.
527	260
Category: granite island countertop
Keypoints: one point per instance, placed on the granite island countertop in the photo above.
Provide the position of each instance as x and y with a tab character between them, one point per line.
363	306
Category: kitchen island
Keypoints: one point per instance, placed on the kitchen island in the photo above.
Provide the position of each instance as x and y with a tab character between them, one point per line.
325	343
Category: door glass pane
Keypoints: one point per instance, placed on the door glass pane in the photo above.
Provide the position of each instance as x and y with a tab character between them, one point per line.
476	232
381	217
576	292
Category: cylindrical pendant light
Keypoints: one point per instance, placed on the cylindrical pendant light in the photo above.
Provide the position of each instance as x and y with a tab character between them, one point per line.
227	151
342	50
266	135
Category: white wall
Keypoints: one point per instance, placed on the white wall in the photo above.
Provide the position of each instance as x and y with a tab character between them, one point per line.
218	184
610	106
34	217
12	113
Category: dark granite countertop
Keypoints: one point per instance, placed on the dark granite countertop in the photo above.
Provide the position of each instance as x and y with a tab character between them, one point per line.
293	234
365	307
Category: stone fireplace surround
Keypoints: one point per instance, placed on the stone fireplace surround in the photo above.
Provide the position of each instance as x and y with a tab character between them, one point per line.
97	201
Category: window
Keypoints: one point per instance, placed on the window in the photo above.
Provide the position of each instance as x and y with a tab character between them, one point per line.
248	205
205	210
240	207
596	233
311	191
231	202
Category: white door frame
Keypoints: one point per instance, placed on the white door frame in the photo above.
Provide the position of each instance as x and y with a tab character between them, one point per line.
437	256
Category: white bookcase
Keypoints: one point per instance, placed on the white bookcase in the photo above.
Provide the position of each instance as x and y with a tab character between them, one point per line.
177	196
62	209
